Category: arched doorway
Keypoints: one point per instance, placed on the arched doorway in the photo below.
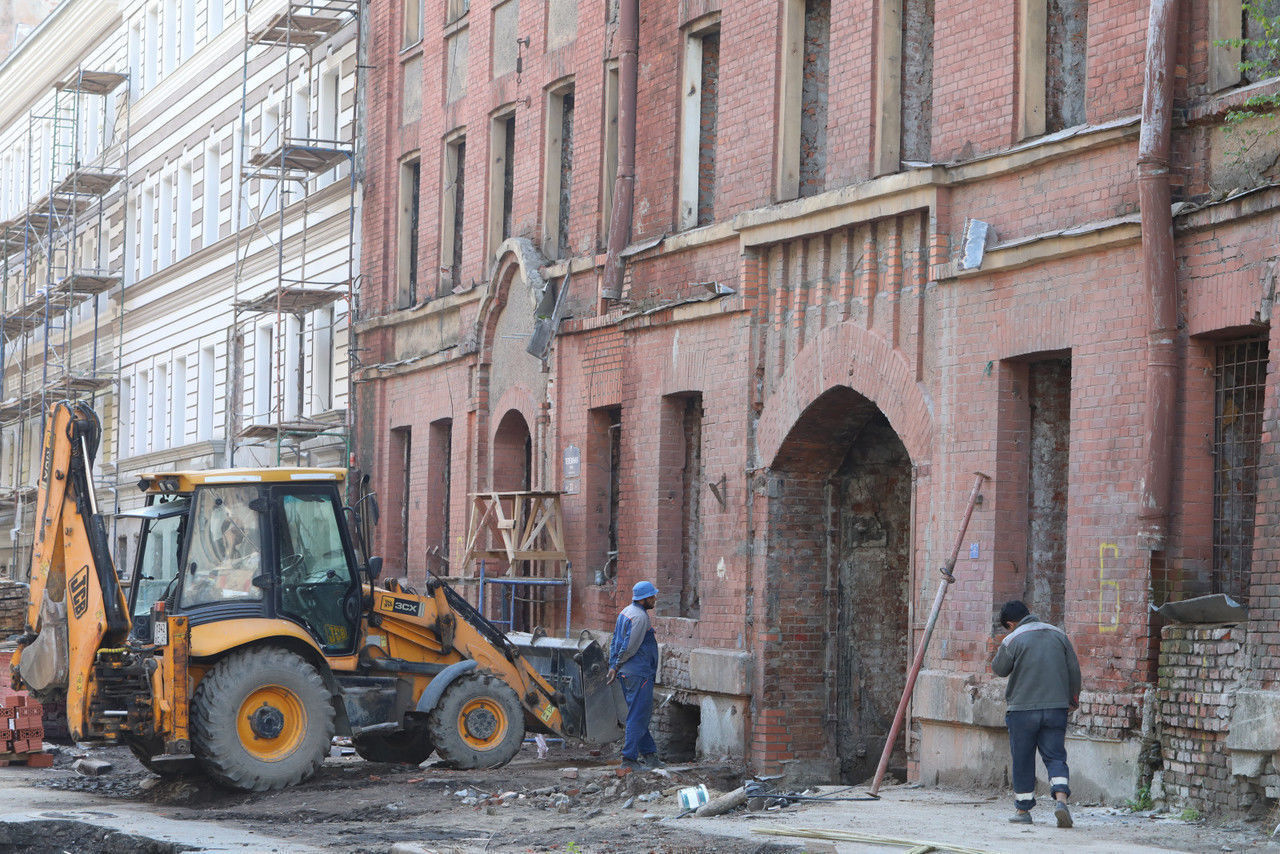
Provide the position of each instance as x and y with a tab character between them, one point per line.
840	547
512	454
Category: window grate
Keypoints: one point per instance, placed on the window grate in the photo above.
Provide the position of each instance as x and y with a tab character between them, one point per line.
1239	383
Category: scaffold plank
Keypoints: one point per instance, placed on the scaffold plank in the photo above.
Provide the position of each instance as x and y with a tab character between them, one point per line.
294	300
301	157
92	82
90	182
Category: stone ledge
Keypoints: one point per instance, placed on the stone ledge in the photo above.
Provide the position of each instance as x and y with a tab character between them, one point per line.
1255	722
958	698
720	671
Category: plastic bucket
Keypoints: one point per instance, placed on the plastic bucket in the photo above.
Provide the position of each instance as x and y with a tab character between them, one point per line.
693	797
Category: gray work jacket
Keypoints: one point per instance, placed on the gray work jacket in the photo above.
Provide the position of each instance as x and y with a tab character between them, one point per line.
1041	665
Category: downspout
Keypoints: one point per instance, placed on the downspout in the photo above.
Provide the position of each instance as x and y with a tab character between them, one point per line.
1158	275
624	185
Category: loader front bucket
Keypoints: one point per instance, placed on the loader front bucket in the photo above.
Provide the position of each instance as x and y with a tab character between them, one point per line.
594	711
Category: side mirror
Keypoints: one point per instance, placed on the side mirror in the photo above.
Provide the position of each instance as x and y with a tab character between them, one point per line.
374	515
374	568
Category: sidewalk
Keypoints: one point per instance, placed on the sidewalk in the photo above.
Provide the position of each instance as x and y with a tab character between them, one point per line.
977	820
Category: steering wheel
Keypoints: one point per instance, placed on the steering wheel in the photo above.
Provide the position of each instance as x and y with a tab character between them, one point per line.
291	564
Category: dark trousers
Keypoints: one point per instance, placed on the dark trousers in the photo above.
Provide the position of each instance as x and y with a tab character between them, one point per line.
1044	730
638	691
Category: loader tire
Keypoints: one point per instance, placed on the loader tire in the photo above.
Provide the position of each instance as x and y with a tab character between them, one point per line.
261	719
410	747
478	723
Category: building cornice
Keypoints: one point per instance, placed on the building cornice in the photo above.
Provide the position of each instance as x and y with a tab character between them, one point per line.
51	52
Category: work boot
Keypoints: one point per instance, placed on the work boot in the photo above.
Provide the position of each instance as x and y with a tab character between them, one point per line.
1062	814
632	764
1020	817
651	760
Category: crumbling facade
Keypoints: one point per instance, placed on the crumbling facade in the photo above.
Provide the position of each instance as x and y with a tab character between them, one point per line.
870	249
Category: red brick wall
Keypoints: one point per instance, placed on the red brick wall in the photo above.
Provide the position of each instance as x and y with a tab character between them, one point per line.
850	302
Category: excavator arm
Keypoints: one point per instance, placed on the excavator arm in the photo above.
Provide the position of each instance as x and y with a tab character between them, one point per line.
76	606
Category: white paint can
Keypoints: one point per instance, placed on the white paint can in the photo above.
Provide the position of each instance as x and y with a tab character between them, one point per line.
693	797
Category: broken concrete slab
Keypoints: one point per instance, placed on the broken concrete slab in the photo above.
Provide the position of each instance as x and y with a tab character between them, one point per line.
92	767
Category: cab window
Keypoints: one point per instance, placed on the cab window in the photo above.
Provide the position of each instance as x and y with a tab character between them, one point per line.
157	566
315	579
225	554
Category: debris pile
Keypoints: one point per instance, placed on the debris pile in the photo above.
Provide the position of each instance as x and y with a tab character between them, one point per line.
591	793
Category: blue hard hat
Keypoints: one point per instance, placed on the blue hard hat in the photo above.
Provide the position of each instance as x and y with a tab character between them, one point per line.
643	590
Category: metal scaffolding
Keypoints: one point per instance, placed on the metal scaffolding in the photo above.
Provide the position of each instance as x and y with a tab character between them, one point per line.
56	267
282	173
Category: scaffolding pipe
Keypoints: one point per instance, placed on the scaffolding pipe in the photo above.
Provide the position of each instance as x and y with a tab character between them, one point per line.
624	186
948	578
1158	276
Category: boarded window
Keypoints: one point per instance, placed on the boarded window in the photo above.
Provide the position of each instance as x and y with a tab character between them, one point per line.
813	96
690	505
508	173
602	487
505	50
1067	36
456	67
699	128
562	22
1239	377
558	173
439	498
1049	447
407	238
452	213
412	22
1260	55
917	80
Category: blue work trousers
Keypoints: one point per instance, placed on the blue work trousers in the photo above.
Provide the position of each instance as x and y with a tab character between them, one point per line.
638	691
1044	730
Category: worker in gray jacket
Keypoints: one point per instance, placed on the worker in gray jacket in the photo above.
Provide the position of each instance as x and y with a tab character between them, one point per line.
1044	685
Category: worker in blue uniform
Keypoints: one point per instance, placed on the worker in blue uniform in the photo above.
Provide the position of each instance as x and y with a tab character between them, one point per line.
633	661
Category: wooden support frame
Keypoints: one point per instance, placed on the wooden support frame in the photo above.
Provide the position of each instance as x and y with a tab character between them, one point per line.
516	526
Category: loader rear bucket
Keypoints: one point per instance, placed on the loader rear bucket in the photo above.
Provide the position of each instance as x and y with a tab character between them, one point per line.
595	711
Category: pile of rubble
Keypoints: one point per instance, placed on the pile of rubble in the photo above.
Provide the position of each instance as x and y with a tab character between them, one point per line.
589	793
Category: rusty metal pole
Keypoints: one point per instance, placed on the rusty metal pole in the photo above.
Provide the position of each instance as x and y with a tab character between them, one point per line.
948	578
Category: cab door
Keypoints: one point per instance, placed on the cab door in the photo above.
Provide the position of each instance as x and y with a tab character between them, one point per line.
318	584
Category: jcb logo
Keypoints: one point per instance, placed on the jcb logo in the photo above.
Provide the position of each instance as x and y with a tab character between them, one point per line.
80	592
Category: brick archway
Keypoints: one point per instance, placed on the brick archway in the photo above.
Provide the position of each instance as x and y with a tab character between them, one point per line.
851	356
837	443
516	404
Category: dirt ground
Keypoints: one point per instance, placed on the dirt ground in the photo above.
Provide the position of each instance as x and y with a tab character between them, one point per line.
572	801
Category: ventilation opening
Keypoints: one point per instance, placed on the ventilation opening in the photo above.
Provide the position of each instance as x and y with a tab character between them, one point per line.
679	731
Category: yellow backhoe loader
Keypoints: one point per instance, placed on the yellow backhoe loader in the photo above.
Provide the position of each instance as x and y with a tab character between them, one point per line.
255	629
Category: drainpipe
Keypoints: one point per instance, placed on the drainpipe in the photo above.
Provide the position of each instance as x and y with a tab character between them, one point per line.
624	185
1158	275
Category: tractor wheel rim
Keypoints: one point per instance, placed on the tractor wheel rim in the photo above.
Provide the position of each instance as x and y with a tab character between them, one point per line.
271	723
482	723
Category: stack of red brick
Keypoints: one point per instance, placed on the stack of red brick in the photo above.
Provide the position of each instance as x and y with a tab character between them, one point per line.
22	732
21	725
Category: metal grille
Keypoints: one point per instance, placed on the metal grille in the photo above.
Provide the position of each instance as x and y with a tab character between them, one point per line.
1239	377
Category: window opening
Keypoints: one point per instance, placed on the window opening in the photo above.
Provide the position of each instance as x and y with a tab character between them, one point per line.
1239	387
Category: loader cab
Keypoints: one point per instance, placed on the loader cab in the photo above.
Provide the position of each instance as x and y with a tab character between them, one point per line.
272	546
